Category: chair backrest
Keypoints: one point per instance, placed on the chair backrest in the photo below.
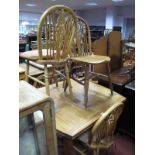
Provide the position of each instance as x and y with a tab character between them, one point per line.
115	49
82	38
103	130
57	27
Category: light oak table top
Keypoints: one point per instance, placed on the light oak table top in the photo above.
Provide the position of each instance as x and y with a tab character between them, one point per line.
29	96
72	118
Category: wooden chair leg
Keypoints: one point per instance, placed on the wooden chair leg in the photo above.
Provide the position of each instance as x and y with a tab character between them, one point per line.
27	71
68	79
86	85
46	80
109	78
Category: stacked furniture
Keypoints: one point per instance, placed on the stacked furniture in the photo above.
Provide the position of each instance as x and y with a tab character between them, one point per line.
67	44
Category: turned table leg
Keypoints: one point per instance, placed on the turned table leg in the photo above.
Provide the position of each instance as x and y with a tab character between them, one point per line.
50	129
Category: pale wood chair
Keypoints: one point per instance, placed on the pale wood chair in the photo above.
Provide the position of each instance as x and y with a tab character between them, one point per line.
101	134
59	24
83	55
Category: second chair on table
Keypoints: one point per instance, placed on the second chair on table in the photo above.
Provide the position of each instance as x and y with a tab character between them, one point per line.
83	55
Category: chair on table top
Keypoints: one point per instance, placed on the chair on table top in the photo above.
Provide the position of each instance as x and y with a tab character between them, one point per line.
83	55
101	134
59	24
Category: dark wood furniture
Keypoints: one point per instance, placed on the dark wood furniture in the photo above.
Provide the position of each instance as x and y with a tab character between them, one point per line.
119	79
127	120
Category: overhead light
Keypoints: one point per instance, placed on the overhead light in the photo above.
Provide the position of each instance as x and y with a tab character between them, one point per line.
35	19
117	0
31	5
91	4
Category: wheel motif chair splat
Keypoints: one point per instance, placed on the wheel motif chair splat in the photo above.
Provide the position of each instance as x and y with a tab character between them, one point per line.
82	54
58	24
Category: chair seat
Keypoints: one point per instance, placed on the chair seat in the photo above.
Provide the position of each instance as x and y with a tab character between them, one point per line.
92	59
33	55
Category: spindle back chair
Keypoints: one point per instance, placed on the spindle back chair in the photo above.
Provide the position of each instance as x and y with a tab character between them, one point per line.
57	27
82	54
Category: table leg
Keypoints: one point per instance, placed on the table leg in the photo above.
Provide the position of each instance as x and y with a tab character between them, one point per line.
68	147
50	129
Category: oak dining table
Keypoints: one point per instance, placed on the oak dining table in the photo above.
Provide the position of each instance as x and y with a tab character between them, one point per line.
72	118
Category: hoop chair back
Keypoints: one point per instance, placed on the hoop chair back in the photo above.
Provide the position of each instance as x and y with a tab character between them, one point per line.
82	54
57	27
83	38
101	135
